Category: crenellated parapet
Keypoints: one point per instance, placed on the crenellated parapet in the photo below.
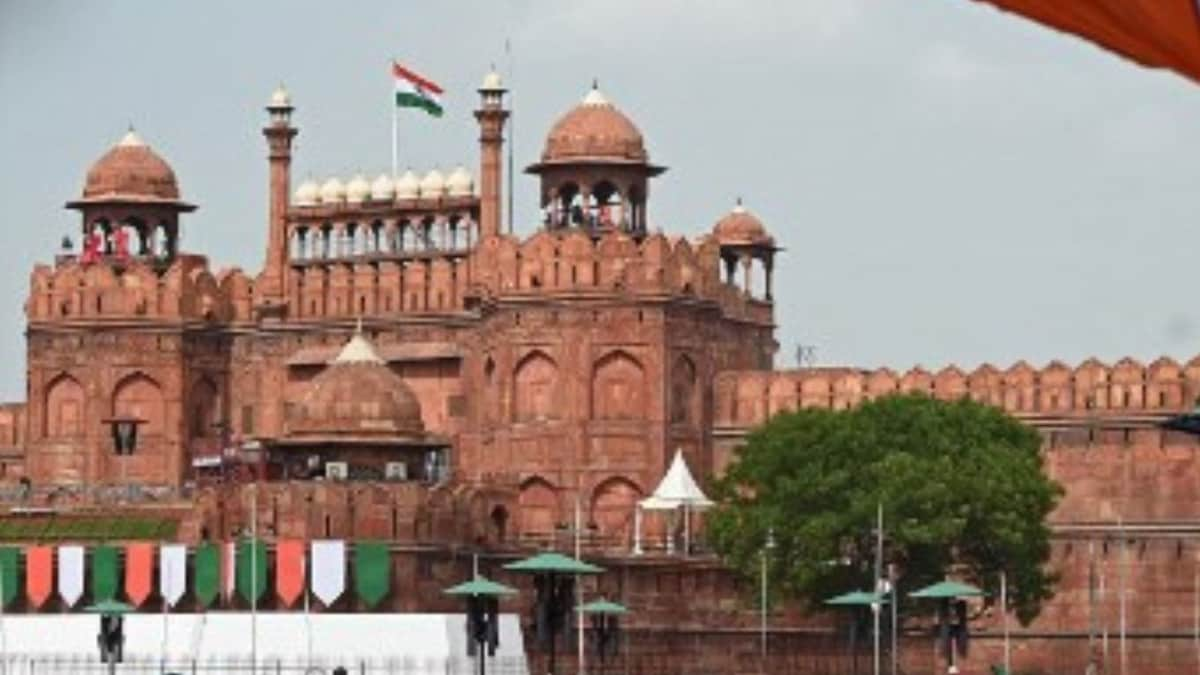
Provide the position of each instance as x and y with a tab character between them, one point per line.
182	290
577	262
1127	388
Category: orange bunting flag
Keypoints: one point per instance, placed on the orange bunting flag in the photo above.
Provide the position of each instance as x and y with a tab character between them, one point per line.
139	572
289	570
39	573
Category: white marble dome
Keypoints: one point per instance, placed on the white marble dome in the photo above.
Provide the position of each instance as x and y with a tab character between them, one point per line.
383	189
308	194
433	184
492	82
332	191
460	183
357	189
280	98
408	186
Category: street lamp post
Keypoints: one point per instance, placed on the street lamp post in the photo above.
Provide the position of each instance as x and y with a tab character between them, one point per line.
768	546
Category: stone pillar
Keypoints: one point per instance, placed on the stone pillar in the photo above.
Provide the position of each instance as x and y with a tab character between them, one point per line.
747	266
769	263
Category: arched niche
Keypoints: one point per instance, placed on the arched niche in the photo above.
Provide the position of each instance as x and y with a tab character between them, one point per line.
535	381
538	504
64	412
618	388
684	397
138	395
204	409
612	507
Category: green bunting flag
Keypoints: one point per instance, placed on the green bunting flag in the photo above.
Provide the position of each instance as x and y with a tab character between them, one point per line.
371	572
8	575
104	573
207	573
251	589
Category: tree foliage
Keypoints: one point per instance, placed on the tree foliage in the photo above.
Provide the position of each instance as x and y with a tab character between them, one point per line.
961	484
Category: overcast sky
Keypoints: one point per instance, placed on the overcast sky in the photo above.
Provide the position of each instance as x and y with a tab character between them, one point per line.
952	184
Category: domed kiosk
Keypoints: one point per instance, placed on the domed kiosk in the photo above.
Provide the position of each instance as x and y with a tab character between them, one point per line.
743	239
130	204
595	170
359	420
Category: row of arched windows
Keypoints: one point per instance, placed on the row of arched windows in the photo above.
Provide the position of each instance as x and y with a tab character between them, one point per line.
329	241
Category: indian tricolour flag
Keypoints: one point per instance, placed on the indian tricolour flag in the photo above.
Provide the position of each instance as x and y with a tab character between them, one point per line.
414	91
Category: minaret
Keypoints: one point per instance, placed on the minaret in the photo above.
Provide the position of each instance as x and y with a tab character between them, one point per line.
491	116
279	133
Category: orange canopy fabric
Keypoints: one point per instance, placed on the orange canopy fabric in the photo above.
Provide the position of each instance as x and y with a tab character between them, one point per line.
39	574
139	572
289	570
1154	33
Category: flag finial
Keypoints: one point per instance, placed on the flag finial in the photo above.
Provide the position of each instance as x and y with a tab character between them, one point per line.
595	83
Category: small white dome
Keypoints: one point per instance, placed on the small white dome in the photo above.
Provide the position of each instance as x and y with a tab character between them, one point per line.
280	98
460	183
332	191
131	140
408	186
492	82
357	189
383	189
308	194
433	184
595	98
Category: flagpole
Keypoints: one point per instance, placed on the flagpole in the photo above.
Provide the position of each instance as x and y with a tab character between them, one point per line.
166	570
307	614
395	134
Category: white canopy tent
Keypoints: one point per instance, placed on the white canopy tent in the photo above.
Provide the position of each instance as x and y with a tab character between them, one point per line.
678	489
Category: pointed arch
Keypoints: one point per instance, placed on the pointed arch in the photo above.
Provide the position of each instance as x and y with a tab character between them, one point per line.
141	396
204	408
64	412
612	507
535	385
538	504
684	399
618	387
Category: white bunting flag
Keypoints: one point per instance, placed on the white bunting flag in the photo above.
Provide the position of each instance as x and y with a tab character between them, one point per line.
172	572
328	570
228	569
70	574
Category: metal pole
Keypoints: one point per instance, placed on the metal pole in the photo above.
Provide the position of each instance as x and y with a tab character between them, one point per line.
3	634
895	619
578	588
875	606
254	577
1121	579
1196	612
166	570
1004	617
1091	657
763	609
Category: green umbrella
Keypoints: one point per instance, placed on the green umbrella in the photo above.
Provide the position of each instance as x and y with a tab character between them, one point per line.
857	599
109	607
602	606
480	586
556	563
947	589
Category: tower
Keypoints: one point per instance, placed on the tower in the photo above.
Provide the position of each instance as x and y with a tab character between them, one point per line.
491	116
595	170
272	287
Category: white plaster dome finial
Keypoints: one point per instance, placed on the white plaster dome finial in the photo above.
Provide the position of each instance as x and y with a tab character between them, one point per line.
594	96
357	189
308	194
383	188
131	140
408	186
492	81
460	183
280	98
332	191
433	184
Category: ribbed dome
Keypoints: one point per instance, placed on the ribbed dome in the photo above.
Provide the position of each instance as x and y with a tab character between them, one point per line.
594	129
308	194
740	226
131	171
408	186
383	189
460	183
332	191
357	395
433	184
357	189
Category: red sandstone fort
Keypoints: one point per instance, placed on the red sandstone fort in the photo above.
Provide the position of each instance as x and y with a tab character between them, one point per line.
404	369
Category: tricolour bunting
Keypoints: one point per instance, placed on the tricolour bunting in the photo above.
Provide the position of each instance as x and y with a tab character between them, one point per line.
39	575
328	570
105	573
139	572
371	572
251	570
172	573
208	573
70	574
9	557
289	570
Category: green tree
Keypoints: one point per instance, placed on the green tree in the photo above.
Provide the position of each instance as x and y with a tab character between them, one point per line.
961	484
